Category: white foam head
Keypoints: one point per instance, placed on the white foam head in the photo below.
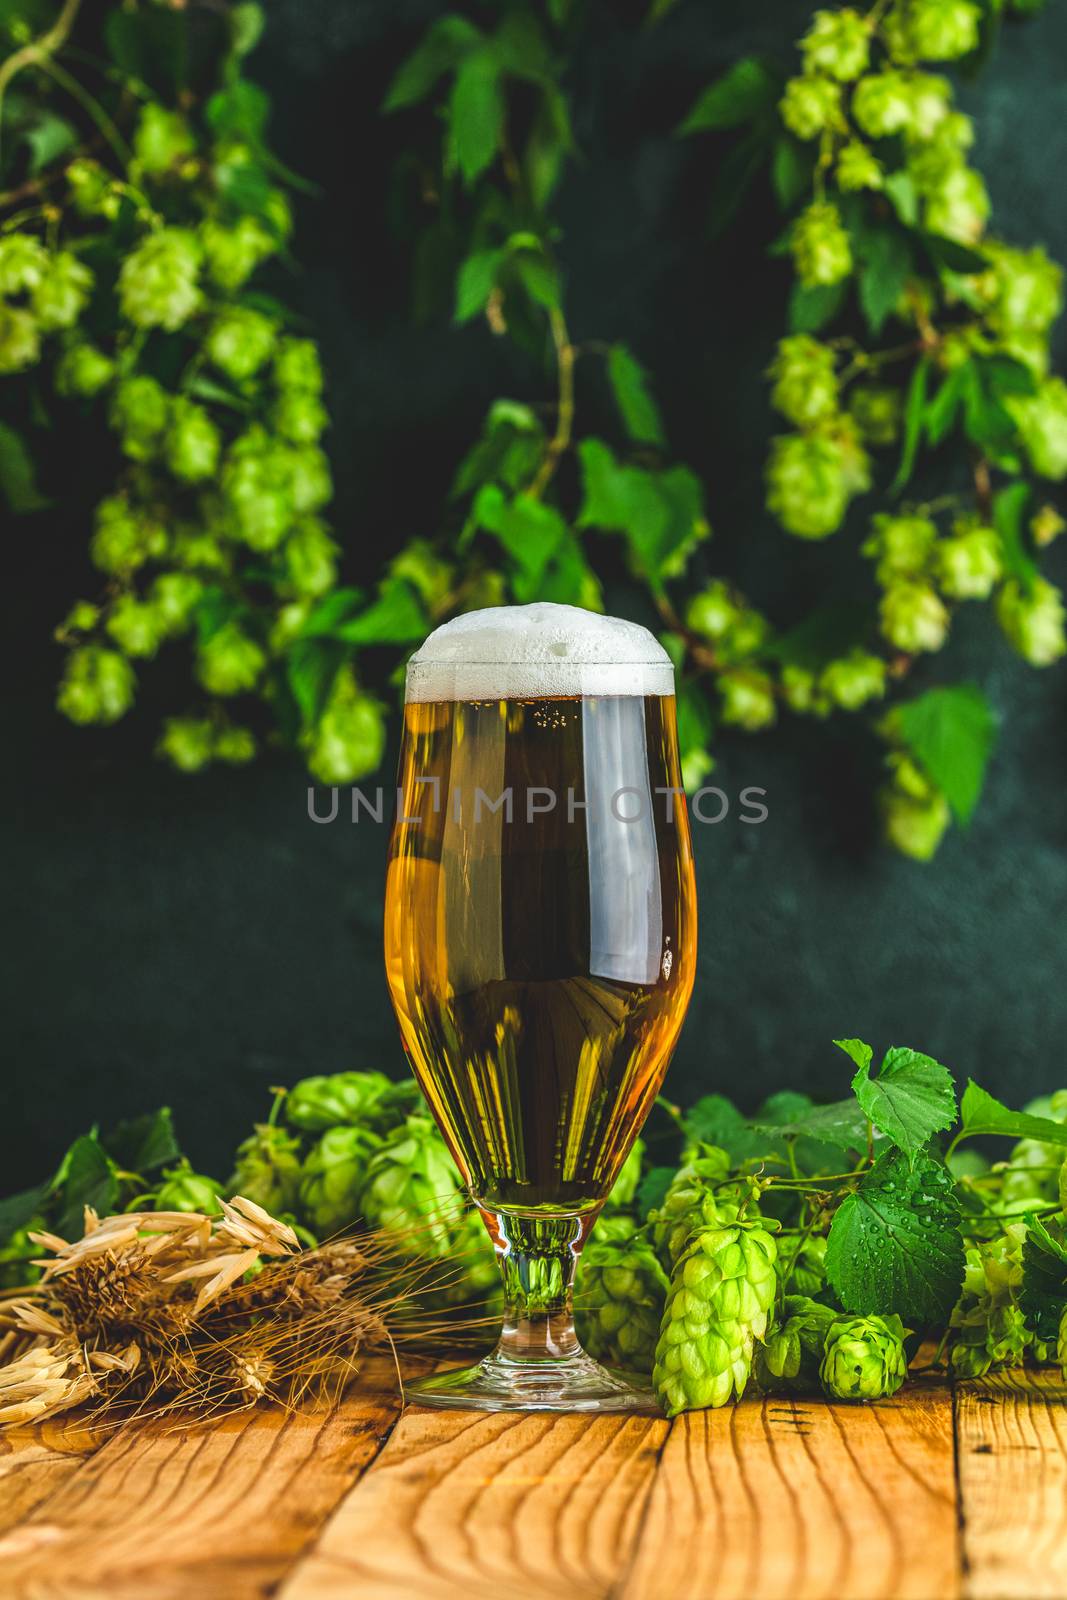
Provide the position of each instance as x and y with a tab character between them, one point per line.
537	652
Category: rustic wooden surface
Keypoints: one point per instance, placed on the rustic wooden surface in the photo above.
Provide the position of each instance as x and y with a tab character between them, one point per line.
936	1495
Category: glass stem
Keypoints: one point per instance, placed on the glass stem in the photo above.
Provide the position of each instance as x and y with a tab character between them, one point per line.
538	1257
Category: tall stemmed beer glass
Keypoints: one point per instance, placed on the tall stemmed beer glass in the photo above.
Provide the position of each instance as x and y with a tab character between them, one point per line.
540	939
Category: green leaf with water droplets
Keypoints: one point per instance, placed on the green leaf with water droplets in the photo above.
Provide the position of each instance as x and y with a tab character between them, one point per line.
911	1099
895	1244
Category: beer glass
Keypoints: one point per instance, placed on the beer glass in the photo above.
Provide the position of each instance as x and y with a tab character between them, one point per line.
540	939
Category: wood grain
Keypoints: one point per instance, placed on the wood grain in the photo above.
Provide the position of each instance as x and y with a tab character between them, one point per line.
801	1500
34	1461
219	1511
1011	1431
467	1507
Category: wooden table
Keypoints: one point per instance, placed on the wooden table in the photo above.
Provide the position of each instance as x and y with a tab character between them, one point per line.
931	1496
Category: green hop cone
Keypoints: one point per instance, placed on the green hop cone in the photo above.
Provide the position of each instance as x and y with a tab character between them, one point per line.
297	366
1026	289
712	612
913	617
987	1325
162	140
98	685
63	292
267	1169
20	340
837	43
620	1293
240	341
412	1188
863	1358
939	30
349	740
876	413
299	417
92	190
335	1171
810	106
192	444
174	596
135	626
1046	525
331	1100
882	104
83	370
914	823
968	565
188	743
1033	621
821	250
235	746
232	254
23	263
623	1191
801	691
228	661
853	680
183	1189
689	1202
259	491
901	546
805	382
311	557
310	483
158	281
811	478
788	1359
721	1294
858	168
140	411
746	699
1041	419
958	206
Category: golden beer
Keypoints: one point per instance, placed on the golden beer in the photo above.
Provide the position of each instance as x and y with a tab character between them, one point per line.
540	947
539	992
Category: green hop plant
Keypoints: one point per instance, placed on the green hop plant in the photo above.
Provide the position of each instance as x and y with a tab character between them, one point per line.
837	43
358	1099
83	370
162	140
854	680
968	566
183	1189
228	661
1042	422
267	1169
747	698
333	1176
805	383
412	1188
913	617
1033	620
158	281
788	1360
240	341
98	685
863	1358
811	105
620	1293
988	1327
135	626
350	737
689	1202
62	294
1033	1167
820	245
20	341
623	1191
140	411
193	443
721	1295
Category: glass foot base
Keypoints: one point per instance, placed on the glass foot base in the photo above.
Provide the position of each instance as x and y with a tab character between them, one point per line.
576	1384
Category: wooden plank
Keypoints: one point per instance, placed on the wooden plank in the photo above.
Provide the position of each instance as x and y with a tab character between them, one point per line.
1011	1431
217	1510
34	1461
801	1500
461	1506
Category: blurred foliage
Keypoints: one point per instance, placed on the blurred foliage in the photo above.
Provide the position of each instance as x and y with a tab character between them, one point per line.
143	209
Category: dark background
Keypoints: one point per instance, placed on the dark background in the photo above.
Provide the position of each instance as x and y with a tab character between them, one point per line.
194	941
